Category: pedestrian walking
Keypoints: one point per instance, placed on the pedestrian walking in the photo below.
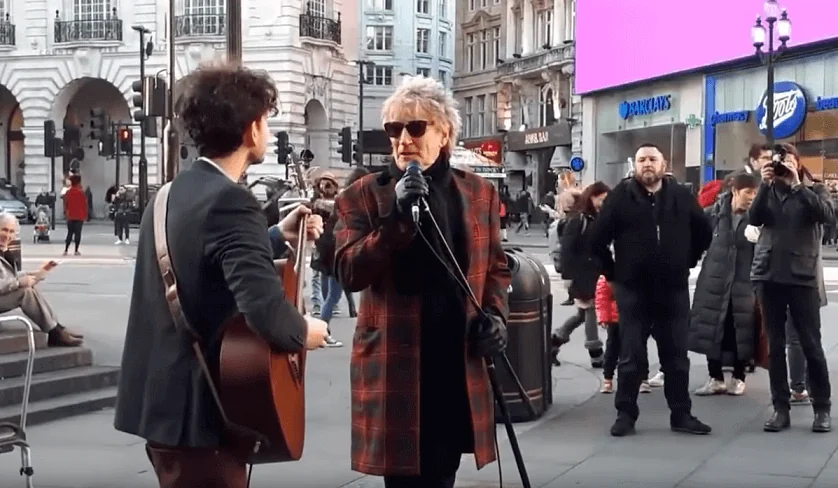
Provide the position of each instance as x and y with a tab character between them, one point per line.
75	212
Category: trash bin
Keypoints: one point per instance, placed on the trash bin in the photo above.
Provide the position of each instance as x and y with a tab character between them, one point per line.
14	254
529	325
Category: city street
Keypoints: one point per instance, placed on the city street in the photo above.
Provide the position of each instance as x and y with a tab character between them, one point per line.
569	446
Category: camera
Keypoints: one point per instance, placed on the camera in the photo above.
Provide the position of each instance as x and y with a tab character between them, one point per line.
778	156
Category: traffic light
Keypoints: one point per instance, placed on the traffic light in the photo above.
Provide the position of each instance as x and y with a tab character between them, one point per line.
49	138
138	100
356	156
283	148
126	141
99	124
345	144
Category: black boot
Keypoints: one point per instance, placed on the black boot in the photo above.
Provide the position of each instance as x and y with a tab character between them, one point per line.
597	358
688	425
622	427
778	421
822	422
568	302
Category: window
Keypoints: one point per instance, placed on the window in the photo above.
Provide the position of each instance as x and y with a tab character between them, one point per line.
379	38
470	52
493	113
379	4
443	78
496	46
472	4
545	107
467	118
443	44
422	7
426	72
570	23
422	38
519	33
3	10
544	28
484	49
93	9
443	9
379	75
481	116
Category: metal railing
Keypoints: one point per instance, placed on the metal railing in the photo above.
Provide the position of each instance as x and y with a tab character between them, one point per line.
7	32
198	25
106	29
319	27
536	62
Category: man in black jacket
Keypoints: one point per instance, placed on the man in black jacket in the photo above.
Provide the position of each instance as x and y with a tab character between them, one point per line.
221	256
659	232
791	209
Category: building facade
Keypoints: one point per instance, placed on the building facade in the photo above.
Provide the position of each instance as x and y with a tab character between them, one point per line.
62	58
402	38
666	113
514	81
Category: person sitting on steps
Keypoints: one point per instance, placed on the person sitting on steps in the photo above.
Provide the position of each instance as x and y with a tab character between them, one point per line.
18	290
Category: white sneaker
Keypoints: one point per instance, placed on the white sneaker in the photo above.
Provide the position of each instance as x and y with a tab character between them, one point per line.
332	342
118	242
126	241
657	380
645	387
735	387
712	387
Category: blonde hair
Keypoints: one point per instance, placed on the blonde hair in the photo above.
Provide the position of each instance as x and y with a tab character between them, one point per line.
431	96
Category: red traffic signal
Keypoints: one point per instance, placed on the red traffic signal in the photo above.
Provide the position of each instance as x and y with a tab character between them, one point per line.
124	134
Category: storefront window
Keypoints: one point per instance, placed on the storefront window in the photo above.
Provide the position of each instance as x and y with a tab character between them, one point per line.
817	142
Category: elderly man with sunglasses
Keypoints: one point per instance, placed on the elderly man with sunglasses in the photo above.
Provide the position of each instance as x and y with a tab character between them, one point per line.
420	341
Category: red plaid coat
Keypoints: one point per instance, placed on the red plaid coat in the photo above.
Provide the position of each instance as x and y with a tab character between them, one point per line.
384	369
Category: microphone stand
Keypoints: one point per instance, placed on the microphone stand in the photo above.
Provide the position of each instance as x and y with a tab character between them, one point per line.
491	370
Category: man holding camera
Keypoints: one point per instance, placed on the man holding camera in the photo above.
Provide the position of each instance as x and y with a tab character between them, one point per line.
791	208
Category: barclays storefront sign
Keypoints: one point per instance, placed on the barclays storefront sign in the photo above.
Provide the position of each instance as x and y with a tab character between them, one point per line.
644	106
789	110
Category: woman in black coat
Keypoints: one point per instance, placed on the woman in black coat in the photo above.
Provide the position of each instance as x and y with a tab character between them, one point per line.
580	268
723	318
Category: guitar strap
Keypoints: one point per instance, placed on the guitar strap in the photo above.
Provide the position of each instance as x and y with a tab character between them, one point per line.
164	261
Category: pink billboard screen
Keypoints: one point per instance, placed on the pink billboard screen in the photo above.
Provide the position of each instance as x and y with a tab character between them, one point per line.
620	42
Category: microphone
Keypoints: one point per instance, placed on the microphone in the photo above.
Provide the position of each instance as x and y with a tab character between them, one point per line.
414	169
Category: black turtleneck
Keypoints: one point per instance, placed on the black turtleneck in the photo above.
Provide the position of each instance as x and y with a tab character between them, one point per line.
444	410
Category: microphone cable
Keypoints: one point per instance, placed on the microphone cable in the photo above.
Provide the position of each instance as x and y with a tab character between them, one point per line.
450	264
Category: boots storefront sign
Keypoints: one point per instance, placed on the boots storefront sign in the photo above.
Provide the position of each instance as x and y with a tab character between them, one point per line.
789	110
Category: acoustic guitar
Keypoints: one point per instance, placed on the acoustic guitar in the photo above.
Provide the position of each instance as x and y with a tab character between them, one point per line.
260	388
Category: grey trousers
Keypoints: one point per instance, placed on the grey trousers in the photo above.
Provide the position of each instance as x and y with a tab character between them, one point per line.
585	316
32	304
316	290
796	359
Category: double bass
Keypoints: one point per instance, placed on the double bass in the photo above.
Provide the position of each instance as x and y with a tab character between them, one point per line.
262	389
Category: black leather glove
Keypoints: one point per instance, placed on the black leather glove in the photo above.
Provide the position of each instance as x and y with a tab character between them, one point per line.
488	335
409	190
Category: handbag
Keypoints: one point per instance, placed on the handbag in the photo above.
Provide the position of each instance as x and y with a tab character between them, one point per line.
238	436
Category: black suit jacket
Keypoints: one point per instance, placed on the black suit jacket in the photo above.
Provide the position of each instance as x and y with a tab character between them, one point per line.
221	256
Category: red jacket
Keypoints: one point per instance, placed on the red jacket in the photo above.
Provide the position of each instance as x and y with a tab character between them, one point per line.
606	306
75	204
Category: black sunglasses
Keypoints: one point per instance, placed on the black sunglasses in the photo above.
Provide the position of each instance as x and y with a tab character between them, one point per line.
415	128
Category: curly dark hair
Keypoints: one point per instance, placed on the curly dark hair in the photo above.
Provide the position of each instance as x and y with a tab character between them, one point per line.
221	102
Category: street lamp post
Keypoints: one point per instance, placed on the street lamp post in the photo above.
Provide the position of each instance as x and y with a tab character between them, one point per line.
362	80
775	17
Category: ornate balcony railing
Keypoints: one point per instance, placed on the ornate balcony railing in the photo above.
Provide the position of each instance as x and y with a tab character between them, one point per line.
200	25
319	27
7	32
105	29
537	62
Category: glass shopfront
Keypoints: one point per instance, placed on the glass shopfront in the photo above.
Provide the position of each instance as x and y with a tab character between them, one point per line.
659	113
806	115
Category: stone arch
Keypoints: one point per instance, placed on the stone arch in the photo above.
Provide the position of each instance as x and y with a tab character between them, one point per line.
11	137
317	135
71	112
